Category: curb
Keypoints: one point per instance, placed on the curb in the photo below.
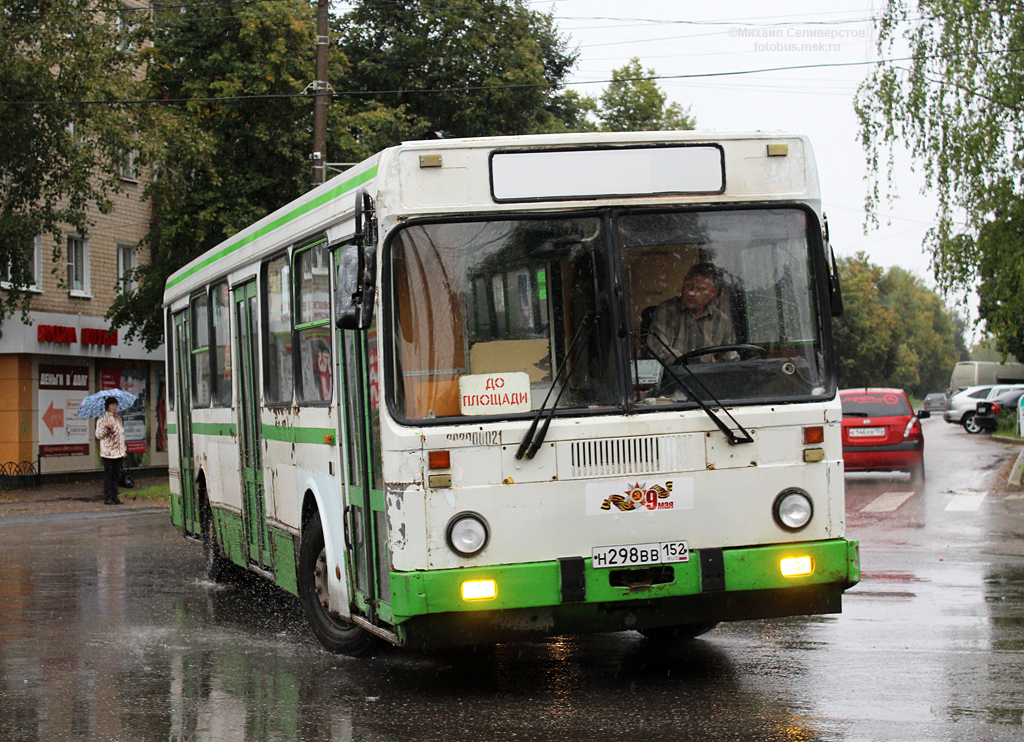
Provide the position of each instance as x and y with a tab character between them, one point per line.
21	519
1017	470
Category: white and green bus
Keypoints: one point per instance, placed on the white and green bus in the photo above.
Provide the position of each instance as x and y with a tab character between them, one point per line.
434	397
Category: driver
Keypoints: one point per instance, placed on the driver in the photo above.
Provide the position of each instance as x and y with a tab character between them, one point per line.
689	321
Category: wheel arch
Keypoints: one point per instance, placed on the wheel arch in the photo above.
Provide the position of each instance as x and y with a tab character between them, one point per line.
317	501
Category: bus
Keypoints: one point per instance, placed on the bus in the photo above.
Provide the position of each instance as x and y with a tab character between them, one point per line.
441	398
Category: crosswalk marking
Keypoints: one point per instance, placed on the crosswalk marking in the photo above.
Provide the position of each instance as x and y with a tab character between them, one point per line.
886	502
964	502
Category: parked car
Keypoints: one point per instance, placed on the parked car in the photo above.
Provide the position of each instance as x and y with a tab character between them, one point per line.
986	416
936	402
964	405
881	432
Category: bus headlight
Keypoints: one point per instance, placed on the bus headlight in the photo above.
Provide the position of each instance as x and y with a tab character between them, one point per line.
792	509
467	534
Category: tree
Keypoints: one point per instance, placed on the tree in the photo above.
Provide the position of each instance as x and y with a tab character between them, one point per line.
232	159
468	67
957	105
634	102
894	331
62	139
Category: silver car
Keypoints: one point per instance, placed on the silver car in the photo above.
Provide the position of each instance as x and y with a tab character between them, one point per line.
963	404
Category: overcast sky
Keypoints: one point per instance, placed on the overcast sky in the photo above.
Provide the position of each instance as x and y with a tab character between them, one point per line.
684	38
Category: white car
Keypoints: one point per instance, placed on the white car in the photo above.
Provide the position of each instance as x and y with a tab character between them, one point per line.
964	404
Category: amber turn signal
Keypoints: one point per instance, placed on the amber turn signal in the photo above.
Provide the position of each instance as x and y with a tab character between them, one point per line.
439	459
814	434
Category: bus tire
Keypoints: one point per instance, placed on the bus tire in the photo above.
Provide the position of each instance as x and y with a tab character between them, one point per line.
334	633
217	565
683	631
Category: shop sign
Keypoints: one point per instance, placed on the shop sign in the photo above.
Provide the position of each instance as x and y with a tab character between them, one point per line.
61	391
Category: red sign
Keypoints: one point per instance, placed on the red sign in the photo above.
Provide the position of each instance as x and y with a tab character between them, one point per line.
92	336
65	449
56	334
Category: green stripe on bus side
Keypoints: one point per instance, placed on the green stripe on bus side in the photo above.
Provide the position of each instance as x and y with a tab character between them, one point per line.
298	435
317	202
172	429
538	584
229	429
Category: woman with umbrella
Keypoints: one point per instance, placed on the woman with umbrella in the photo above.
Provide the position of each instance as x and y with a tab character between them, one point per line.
110	431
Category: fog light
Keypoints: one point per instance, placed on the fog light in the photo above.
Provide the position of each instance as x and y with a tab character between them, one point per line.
792	509
796	566
467	534
479	589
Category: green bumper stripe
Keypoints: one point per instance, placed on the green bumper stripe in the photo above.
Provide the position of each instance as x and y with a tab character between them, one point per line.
172	429
228	429
305	208
539	583
298	435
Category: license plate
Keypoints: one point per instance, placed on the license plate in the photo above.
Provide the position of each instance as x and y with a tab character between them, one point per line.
866	432
637	555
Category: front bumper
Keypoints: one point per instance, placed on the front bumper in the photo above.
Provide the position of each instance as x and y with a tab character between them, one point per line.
571	596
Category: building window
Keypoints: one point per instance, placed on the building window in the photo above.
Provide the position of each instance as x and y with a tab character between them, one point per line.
127	263
313	324
29	270
78	266
200	351
221	346
277	357
127	167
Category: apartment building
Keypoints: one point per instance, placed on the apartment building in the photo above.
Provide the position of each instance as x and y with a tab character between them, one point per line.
68	351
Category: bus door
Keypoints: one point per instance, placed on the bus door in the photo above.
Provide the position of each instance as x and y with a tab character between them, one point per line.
186	467
254	515
365	517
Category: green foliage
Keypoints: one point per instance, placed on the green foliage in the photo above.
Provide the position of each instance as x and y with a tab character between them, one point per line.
894	332
228	162
956	105
1006	423
633	101
59	155
502	64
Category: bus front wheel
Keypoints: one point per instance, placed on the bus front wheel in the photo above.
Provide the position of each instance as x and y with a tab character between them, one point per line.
682	631
332	631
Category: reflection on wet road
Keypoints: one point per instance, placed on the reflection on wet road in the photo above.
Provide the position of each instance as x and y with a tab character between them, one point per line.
106	633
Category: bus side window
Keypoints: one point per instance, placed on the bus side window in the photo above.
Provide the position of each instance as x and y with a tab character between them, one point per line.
312	325
277	362
169	338
221	346
200	350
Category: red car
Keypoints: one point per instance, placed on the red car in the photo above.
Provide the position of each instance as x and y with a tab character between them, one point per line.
881	432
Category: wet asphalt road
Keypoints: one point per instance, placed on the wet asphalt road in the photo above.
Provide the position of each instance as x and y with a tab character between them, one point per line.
107	632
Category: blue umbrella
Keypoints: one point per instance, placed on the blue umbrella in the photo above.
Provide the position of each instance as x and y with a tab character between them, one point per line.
96	404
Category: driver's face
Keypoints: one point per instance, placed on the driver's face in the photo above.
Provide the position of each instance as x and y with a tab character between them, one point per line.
698	291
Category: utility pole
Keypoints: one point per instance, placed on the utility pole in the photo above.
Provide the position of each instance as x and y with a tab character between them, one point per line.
323	95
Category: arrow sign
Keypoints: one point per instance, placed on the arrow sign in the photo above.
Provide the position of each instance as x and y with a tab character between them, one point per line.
53	418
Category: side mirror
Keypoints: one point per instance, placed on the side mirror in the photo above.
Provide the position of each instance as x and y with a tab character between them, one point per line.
357	270
923	414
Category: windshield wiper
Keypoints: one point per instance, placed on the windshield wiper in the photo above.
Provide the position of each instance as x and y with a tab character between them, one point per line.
530	443
732	437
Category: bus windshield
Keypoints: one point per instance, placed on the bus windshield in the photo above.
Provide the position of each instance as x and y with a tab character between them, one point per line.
487	311
489	316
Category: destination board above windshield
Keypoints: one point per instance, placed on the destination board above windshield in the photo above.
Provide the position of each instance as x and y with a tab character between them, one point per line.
572	174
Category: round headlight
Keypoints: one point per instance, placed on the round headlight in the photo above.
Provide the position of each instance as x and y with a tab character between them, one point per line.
467	534
793	509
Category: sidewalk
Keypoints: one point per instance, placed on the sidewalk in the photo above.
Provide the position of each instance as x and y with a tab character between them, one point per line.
83	497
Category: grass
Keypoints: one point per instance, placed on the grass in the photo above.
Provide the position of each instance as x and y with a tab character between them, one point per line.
156	493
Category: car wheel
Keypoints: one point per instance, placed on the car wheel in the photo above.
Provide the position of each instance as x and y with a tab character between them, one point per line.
683	631
970	424
333	632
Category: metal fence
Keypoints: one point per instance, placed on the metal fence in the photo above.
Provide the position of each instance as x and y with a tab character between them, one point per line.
19	475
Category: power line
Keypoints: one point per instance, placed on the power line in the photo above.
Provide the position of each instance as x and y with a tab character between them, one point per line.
516	86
